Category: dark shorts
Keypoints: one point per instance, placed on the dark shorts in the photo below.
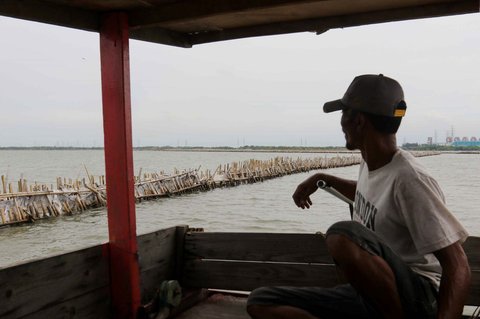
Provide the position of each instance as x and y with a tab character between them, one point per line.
417	294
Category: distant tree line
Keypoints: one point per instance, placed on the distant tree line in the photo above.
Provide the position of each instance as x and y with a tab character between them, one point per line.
189	148
254	148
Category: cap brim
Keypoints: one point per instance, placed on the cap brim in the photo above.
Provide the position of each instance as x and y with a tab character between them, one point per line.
332	106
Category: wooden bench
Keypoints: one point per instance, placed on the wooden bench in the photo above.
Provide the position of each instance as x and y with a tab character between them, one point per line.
245	261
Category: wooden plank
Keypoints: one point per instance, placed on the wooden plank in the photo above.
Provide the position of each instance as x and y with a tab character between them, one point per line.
156	259
277	247
179	11
163	36
34	286
156	247
180	235
247	276
218	306
325	23
472	250
48	12
94	305
190	298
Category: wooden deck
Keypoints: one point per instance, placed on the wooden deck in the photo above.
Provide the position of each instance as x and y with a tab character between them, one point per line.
218	306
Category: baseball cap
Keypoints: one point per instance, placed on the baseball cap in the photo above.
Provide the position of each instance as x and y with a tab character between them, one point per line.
371	93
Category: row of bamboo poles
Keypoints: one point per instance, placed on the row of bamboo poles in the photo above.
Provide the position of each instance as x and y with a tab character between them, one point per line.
37	201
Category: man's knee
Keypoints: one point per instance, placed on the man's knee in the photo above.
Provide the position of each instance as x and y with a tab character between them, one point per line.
341	248
344	227
349	239
255	311
339	243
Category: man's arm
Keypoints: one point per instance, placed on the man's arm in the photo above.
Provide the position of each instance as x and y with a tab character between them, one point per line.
301	197
455	281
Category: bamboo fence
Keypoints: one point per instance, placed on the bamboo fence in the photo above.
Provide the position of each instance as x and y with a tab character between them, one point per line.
37	201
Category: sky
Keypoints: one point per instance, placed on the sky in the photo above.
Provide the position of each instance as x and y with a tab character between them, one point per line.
257	91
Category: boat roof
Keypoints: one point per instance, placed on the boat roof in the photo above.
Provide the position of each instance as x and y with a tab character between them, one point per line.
185	23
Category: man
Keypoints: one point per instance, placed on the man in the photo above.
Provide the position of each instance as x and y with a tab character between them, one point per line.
401	255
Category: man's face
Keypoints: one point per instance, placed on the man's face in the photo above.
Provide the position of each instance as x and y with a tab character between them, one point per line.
348	124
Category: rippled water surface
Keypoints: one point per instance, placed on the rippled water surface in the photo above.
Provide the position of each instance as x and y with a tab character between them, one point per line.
261	207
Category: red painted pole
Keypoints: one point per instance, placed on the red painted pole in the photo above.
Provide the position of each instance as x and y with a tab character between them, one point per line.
117	126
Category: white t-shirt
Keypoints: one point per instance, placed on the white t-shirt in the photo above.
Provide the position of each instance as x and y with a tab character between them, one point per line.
405	206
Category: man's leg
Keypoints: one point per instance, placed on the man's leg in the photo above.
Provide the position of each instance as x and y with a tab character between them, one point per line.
278	312
340	302
369	274
382	278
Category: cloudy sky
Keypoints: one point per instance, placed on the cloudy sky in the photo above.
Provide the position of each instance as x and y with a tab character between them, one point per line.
260	91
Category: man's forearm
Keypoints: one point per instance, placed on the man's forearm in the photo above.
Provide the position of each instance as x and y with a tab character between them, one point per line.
345	186
455	282
301	196
453	292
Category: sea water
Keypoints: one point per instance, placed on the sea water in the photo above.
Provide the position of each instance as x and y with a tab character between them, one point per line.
262	207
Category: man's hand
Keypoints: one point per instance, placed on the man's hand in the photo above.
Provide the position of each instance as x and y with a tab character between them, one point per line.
301	196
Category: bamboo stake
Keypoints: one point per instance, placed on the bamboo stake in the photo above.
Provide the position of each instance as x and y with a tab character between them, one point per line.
19	214
38	212
44	210
52	208
88	174
51	213
33	213
84	203
79	203
4	186
2	211
158	184
100	199
14	215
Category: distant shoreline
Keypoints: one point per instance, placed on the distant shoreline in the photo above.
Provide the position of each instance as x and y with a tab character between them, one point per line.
264	149
252	149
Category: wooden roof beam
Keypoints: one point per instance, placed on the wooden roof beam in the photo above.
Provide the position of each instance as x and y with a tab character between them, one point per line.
195	9
46	12
159	35
322	24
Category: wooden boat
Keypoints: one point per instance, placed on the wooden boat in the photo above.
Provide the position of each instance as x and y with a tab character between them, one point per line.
119	279
76	285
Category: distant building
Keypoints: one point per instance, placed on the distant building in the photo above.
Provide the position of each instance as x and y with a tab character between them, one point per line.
466	143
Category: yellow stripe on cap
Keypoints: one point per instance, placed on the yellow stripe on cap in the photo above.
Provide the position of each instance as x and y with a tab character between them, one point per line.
399	113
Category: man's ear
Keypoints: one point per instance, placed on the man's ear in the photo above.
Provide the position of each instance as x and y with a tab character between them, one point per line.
360	121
